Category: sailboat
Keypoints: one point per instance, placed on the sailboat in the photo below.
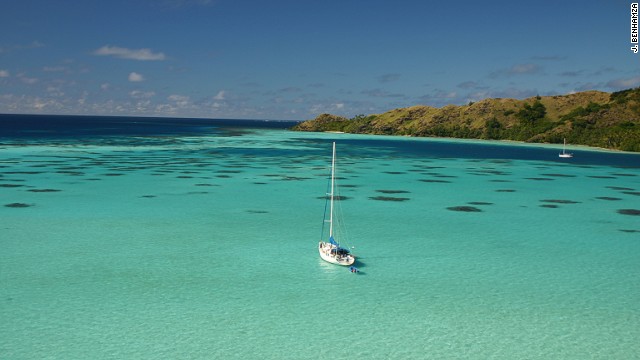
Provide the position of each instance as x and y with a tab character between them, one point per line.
331	250
564	153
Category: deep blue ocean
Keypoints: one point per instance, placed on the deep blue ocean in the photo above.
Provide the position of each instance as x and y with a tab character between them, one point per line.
167	238
62	128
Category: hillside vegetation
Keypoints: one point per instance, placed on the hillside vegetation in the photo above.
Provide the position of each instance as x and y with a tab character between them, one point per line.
593	118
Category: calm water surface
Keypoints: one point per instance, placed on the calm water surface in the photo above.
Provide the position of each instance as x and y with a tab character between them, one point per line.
191	238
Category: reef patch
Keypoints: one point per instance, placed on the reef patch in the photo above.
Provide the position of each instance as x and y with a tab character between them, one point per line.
18	205
464	208
634	212
434	181
560	201
388	198
337	198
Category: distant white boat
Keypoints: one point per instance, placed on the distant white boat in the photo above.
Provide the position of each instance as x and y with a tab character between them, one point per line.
564	153
331	250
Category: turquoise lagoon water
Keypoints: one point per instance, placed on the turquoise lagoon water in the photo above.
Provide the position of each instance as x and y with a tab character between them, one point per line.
204	247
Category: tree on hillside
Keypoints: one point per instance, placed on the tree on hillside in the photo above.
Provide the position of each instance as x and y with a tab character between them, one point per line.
532	113
492	129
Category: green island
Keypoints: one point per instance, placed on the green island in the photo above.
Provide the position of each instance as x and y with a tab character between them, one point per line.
592	118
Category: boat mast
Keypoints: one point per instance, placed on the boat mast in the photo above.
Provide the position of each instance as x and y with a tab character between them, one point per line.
333	169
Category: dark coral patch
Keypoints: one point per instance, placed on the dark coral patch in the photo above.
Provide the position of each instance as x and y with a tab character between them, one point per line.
558	201
464	208
619	188
294	178
394	172
559	175
434	181
601	177
11	185
113	174
444	176
44	190
18	205
479	203
337	198
393	191
634	212
257	211
630	231
388	198
539	179
608	198
505	190
229	171
23	172
148	196
549	206
636	193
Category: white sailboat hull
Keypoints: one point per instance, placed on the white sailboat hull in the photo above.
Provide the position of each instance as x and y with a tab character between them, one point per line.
324	248
564	153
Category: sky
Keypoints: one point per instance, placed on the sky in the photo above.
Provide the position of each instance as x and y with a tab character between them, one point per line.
296	59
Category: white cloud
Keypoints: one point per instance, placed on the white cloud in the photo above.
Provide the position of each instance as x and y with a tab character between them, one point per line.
54	69
220	95
4	73
179	100
137	94
178	97
217	105
105	86
28	80
620	84
135	77
133	54
55	91
524	69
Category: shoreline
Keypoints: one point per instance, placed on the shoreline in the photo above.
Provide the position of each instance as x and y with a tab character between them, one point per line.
492	141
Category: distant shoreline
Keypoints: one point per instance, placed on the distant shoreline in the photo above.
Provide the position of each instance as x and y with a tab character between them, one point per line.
591	118
578	147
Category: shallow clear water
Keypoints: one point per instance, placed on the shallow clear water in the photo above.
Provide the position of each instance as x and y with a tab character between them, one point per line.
204	246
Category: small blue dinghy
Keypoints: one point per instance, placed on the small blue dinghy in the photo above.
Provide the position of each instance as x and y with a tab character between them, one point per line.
353	269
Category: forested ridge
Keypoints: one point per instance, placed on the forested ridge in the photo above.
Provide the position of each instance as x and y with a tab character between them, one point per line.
593	118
